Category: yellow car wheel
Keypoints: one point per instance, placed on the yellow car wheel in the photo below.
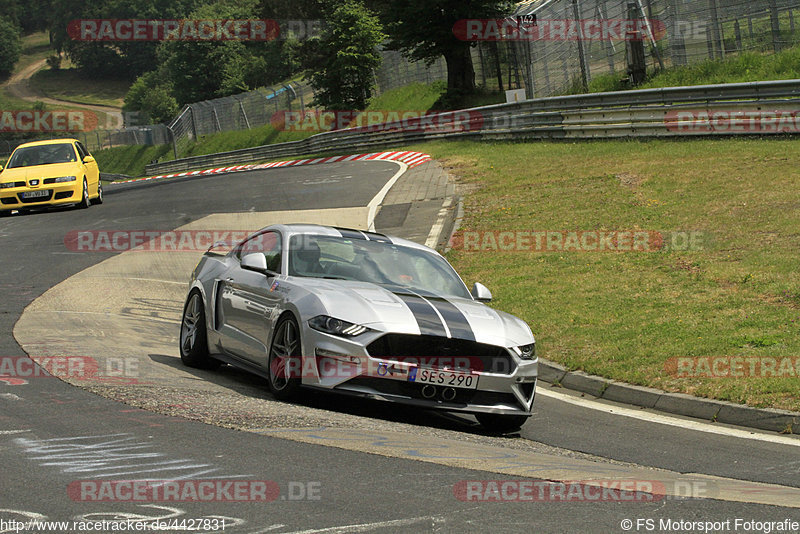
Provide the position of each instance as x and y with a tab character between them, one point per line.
99	199
85	202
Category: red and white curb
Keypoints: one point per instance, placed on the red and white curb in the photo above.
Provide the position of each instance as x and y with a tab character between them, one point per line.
412	159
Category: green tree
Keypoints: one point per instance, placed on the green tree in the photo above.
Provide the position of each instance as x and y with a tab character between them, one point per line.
207	69
10	46
151	95
423	30
127	59
341	62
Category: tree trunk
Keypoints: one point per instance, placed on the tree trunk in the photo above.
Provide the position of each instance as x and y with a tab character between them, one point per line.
460	72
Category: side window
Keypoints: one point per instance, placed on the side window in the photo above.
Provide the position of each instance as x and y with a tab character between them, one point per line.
83	150
267	243
81	153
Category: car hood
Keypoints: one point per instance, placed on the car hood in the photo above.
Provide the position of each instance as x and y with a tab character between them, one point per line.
38	171
401	311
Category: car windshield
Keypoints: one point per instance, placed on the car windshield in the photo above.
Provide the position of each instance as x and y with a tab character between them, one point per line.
42	155
393	266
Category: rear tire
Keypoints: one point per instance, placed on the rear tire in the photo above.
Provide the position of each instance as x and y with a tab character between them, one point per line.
285	353
194	337
501	424
84	203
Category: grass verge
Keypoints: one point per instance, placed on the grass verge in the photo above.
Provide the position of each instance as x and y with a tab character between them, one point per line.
73	86
626	315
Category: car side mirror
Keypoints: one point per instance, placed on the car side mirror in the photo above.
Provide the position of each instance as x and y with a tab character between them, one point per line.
481	293
255	261
88	159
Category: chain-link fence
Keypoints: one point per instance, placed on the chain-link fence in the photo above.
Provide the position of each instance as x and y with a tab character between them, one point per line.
564	58
237	112
675	32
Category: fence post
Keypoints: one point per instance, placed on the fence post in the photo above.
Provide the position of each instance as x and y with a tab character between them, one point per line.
545	67
677	44
247	122
194	124
634	48
737	32
776	26
715	28
581	52
174	143
600	10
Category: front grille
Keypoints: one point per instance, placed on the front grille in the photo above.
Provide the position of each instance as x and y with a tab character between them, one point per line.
441	352
49	181
36	199
8	200
63	194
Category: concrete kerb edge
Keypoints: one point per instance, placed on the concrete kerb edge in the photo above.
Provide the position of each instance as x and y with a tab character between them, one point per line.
675	403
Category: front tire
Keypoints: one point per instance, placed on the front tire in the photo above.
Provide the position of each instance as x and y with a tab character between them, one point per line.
501	424
84	203
194	337
285	355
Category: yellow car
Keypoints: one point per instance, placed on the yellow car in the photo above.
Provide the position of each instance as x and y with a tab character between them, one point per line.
48	173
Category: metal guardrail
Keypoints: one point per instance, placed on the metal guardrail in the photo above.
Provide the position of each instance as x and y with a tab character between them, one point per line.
638	113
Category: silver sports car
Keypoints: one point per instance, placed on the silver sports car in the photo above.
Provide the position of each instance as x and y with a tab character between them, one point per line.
360	313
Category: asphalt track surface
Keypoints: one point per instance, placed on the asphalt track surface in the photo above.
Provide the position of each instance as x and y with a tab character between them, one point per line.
51	432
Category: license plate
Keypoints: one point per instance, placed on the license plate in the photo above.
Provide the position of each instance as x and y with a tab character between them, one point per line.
452	379
35	194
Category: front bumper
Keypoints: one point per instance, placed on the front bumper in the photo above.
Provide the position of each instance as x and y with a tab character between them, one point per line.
345	365
66	193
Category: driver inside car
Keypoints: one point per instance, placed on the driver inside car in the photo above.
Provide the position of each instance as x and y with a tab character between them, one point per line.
305	260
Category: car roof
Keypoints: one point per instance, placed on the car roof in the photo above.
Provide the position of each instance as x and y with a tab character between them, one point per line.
47	142
336	231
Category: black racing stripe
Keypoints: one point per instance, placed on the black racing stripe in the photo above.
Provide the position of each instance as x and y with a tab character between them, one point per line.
456	322
351	234
429	323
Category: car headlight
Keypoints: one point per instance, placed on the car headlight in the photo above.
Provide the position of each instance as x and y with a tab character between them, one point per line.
337	327
6	185
62	179
527	352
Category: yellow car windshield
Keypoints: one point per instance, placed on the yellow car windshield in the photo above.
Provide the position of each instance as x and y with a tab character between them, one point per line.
42	155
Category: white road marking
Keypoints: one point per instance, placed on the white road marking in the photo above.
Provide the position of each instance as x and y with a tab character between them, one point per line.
377	199
650	417
10	396
2	432
433	235
365	527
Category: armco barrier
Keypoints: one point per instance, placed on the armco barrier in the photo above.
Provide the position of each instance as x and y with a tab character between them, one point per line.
639	113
